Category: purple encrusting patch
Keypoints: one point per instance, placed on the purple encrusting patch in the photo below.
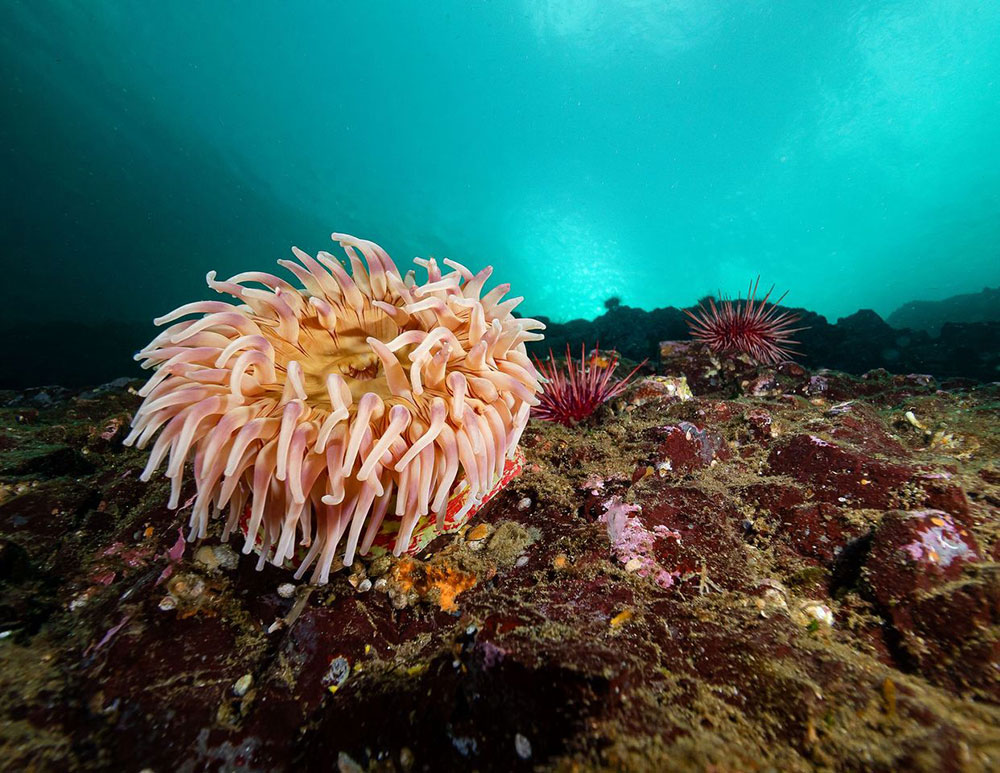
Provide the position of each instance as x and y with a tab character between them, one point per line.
492	654
631	541
941	541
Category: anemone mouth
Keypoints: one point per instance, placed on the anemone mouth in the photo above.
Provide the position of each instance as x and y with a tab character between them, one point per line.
330	406
342	348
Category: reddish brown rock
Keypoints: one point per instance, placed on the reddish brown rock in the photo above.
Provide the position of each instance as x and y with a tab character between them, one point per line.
924	571
683	447
761	425
698	538
658	390
706	372
858	424
914	552
838	474
819	531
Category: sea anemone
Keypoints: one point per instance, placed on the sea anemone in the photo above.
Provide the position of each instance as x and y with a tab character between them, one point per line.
749	327
572	392
328	406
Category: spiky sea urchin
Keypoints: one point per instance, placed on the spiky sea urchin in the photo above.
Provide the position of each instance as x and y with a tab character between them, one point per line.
748	326
326	406
572	392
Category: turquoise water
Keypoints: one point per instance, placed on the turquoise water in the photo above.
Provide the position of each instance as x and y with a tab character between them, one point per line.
656	151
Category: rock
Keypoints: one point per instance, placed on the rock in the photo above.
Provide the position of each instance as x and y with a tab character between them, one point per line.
684	447
921	570
930	316
841	475
41	517
819	530
703	371
658	389
761	425
47	462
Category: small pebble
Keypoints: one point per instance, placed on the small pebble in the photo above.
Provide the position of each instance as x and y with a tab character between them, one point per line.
286	590
364	586
336	675
521	561
633	565
522	746
345	764
226	556
381	584
167	603
771	600
817	613
356	579
524	504
242	685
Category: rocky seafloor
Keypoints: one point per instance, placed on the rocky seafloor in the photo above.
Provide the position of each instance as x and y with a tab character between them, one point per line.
792	570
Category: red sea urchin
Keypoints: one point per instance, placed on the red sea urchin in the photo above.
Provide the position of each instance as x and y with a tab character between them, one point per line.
749	327
326	406
573	392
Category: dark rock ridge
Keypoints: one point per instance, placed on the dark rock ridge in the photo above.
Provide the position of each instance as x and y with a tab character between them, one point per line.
858	343
931	316
956	337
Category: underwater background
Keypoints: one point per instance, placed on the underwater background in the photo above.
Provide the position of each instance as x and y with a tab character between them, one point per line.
654	151
374	537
